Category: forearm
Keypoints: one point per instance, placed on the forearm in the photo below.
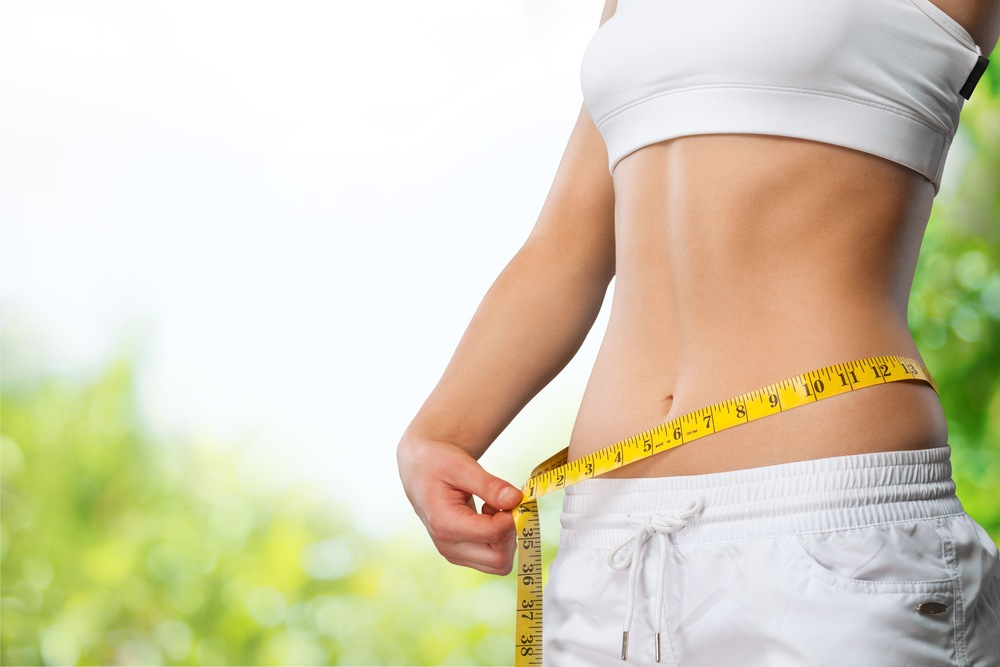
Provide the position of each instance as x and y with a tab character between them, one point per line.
529	325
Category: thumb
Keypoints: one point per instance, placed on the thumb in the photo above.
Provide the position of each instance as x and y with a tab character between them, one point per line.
493	490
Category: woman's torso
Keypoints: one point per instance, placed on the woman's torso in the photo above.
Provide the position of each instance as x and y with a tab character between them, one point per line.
745	259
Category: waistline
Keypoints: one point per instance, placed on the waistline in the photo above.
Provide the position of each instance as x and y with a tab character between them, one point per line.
791	498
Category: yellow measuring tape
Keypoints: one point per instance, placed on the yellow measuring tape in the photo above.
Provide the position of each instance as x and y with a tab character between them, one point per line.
556	473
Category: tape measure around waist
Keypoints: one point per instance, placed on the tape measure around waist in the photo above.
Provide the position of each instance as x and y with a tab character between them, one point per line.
557	473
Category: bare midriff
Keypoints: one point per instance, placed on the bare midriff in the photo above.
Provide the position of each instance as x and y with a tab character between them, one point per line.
742	260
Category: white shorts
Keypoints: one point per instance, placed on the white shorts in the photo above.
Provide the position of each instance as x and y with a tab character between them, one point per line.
854	560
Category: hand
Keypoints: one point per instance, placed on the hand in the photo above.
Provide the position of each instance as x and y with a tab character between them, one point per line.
440	479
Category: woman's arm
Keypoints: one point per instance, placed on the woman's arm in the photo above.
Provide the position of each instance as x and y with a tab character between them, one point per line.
529	325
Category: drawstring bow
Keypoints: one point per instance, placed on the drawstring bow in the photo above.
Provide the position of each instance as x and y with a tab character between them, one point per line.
661	526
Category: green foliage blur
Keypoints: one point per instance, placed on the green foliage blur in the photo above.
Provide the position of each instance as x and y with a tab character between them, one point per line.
954	310
118	548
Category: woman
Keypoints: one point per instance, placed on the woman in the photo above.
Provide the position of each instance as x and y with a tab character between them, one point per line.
759	189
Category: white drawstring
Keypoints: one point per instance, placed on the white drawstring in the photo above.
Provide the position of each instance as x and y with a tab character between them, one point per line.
649	526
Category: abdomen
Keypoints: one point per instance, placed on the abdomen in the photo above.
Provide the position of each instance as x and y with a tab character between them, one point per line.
743	260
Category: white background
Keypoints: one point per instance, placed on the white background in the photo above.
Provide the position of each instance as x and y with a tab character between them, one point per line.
287	211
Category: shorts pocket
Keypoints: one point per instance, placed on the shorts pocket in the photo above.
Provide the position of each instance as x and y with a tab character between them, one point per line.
909	557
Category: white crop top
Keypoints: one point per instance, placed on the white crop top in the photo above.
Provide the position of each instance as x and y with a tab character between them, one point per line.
887	77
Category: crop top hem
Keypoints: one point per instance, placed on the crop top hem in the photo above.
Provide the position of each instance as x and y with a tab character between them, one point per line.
777	110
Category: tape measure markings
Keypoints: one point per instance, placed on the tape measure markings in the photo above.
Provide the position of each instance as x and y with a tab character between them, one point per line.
556	472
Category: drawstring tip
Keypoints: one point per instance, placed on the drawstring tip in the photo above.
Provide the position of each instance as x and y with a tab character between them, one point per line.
656	646
625	645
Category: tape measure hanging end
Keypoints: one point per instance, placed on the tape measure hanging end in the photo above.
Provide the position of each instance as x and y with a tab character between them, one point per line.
528	628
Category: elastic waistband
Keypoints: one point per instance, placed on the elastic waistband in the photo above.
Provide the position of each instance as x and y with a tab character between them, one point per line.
791	498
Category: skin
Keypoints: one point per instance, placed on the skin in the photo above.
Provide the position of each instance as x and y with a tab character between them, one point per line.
740	260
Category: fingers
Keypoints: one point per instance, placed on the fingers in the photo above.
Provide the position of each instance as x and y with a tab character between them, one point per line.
484	542
488	558
457	522
450	511
493	490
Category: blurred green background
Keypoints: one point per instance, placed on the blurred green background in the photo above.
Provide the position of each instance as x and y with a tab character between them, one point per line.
117	549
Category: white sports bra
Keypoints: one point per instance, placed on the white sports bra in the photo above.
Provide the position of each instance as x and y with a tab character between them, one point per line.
887	77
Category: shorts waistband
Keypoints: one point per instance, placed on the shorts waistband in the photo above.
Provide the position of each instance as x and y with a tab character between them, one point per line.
791	498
